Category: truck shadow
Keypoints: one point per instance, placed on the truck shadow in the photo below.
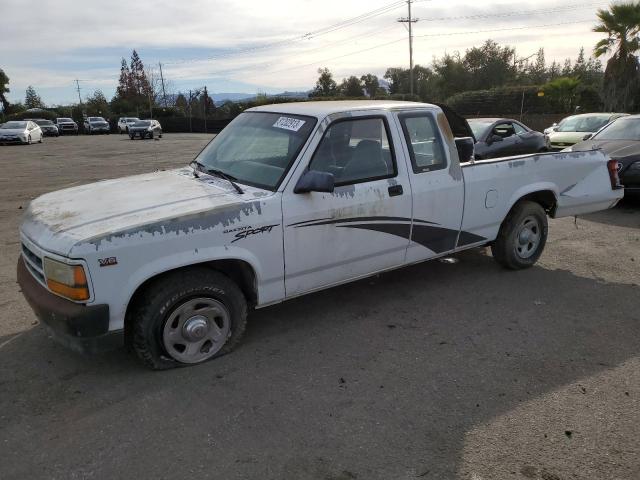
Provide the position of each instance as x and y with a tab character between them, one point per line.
379	379
625	214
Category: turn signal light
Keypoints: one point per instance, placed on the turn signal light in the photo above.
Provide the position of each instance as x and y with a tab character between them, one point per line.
69	281
612	166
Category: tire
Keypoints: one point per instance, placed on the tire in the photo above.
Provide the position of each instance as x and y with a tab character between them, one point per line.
132	137
29	140
522	236
151	135
172	298
41	138
160	134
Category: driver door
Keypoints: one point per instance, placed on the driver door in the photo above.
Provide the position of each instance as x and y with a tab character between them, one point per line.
364	225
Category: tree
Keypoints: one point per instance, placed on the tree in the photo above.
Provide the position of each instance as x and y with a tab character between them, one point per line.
489	65
371	84
181	102
451	75
32	99
4	81
125	87
398	79
564	91
97	104
537	73
326	85
621	25
351	87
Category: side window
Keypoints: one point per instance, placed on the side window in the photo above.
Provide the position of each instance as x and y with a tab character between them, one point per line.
355	151
424	142
519	128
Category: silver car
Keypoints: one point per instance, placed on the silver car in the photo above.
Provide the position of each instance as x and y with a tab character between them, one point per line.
20	131
96	125
125	122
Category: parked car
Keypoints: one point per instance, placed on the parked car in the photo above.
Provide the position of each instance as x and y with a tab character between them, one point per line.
287	200
621	141
572	129
125	122
502	137
20	131
48	128
66	125
96	125
145	129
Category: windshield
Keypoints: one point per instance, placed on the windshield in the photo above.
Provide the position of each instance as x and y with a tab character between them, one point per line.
14	125
621	129
96	119
590	123
257	148
479	127
131	119
44	122
142	123
65	120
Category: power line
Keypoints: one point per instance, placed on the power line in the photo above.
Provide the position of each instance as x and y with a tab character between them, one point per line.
307	36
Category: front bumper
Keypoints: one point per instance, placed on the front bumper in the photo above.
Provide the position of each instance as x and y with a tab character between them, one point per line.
81	328
12	139
100	129
50	132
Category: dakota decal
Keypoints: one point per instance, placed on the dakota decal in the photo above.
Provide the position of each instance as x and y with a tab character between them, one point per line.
253	231
107	262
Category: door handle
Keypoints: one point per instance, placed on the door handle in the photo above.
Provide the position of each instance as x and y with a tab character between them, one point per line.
395	190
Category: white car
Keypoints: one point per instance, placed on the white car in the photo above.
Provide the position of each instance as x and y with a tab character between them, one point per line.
125	122
96	125
287	200
20	131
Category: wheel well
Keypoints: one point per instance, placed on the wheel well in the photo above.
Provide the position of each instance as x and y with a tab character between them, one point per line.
546	199
239	271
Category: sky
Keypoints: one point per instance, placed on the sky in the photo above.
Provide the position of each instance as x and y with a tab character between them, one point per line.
254	46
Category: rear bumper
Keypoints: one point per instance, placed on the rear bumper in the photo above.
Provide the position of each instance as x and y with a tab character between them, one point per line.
81	328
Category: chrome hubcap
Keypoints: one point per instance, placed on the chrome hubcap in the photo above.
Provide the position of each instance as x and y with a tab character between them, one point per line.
196	330
528	237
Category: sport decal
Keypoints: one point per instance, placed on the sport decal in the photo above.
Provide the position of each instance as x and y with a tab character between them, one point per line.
248	231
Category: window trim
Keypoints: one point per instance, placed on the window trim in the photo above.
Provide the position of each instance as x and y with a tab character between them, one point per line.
414	166
392	150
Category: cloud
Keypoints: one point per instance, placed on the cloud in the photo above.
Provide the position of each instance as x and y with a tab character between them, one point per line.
202	41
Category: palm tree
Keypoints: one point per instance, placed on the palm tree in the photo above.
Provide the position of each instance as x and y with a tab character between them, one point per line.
621	24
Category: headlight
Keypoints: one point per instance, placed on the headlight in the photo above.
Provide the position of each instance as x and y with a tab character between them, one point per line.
70	281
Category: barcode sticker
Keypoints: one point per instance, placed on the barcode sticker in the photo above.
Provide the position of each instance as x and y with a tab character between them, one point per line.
289	123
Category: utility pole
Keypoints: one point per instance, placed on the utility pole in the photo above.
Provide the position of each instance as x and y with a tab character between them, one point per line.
164	94
206	101
190	126
410	20
78	87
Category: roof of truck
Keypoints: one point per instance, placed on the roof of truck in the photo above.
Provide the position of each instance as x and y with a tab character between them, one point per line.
322	109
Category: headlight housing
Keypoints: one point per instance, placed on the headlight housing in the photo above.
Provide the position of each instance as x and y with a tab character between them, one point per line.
69	281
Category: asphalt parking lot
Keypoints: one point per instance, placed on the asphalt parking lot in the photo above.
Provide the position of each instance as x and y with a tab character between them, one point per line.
438	371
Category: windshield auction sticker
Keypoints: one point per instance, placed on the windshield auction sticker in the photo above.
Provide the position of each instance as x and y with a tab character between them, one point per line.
289	123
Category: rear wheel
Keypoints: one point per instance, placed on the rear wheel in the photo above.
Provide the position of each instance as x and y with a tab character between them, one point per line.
522	236
188	317
29	140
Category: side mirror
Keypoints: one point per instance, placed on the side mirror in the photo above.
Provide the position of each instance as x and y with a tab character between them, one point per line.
494	138
587	136
555	124
314	181
466	149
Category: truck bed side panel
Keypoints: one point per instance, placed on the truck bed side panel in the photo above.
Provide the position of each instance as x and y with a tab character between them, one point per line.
578	180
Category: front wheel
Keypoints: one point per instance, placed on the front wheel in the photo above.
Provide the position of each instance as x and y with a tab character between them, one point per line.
522	236
132	137
187	317
29	140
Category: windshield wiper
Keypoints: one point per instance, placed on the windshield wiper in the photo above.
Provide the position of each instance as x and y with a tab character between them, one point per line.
219	173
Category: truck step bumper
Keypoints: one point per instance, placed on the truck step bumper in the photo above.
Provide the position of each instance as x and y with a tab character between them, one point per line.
82	328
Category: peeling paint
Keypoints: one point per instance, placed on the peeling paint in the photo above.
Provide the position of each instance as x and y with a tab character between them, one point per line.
344	191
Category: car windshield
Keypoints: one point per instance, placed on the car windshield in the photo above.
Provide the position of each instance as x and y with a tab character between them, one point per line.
479	127
66	120
142	123
590	123
621	129
257	148
96	119
131	119
44	122
14	125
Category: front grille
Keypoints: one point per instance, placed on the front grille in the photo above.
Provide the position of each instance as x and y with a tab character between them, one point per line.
34	263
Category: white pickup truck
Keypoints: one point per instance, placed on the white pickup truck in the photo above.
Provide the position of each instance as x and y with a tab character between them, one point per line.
287	200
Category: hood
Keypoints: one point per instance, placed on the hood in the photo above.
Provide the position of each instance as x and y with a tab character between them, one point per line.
625	151
59	220
12	131
66	123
